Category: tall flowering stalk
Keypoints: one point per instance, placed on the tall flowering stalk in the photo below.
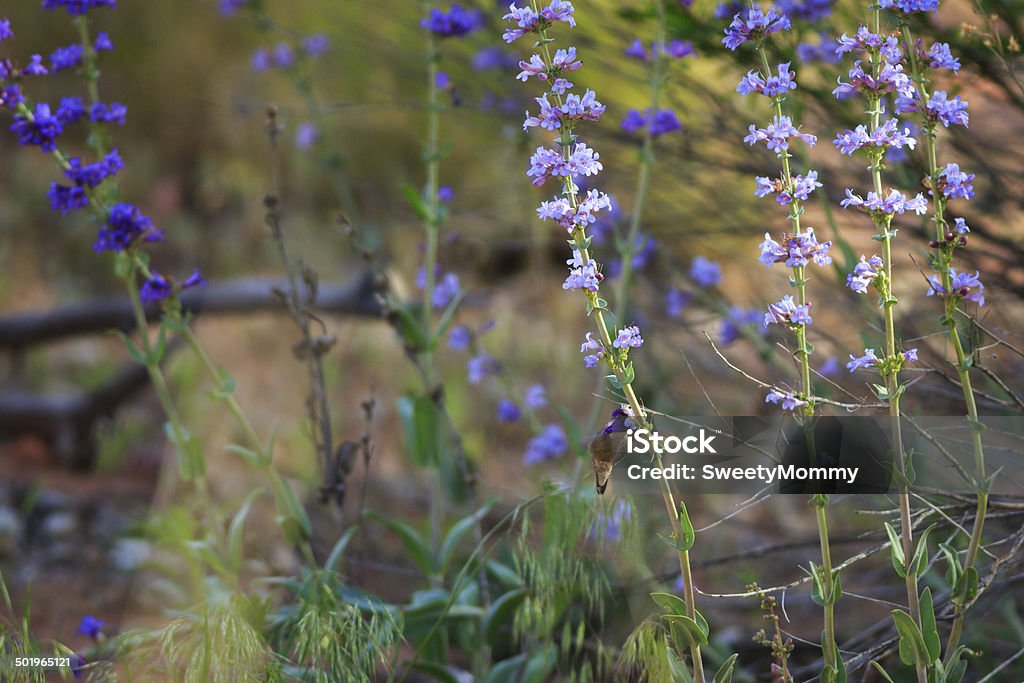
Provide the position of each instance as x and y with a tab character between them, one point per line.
883	77
946	183
560	112
796	250
126	232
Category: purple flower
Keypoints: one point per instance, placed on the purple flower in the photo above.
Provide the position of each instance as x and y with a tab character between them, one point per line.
830	368
628	337
788	399
705	272
777	134
582	274
509	411
676	301
445	194
459	338
823	51
678	49
65	199
961	226
738	319
789	312
92	175
445	290
103	42
70	110
799	250
891	79
260	60
35	66
636	50
634	121
548	163
156	288
960	287
608	525
229	7
283	55
90	626
108	113
125	226
535	397
480	367
910	356
591	344
887	135
316	45
752	23
867	41
868	360
306	135
807	10
955	183
665	121
456	22
941	58
528	21
548	445
864	274
5	29
948	112
893	203
41	129
773	86
489	58
910	6
66	57
77	7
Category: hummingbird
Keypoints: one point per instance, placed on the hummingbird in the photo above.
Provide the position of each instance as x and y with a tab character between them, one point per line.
609	447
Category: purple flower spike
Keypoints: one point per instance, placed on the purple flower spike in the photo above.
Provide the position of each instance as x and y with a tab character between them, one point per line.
548	445
90	626
705	272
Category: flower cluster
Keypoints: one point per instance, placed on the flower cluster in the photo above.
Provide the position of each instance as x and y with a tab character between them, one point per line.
871	360
676	49
799	250
753	24
456	22
962	286
283	55
800	187
661	122
777	134
892	204
548	445
529	21
864	274
123	226
888	135
738	319
910	6
788	312
549	163
954	183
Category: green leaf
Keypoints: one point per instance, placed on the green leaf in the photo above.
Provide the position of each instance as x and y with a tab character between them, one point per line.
685	526
896	551
967	587
456	534
920	561
439	672
913	650
628	374
334	559
498	624
532	668
882	672
415	544
416	202
928	626
956	667
691	631
724	673
446	318
236	531
673	604
419	417
250	456
953	567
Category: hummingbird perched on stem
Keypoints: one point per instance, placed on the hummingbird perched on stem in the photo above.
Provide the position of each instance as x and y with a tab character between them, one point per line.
609	447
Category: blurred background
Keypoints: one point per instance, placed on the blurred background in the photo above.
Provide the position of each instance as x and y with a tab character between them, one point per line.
352	122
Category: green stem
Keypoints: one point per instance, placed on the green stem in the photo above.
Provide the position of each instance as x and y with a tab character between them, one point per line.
830	648
646	162
963	372
892	375
639	414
